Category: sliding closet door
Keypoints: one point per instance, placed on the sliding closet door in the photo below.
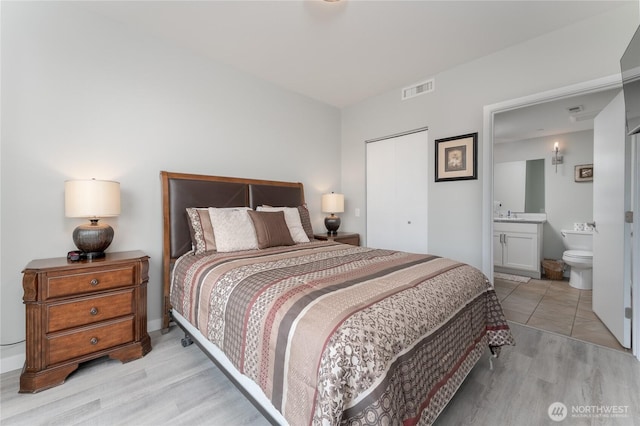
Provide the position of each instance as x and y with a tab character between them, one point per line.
397	192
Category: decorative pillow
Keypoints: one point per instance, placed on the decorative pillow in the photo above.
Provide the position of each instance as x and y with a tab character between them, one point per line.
305	218
233	229
292	218
201	230
271	229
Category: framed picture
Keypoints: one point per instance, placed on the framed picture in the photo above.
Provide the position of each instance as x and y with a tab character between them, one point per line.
584	173
457	158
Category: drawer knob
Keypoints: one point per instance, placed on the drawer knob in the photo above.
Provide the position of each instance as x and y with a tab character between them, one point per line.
94	282
94	311
94	341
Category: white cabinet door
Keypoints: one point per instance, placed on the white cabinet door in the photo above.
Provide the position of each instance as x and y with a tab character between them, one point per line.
397	178
517	248
497	248
520	251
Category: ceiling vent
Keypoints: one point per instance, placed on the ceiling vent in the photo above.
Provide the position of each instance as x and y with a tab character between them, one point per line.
585	116
418	89
575	109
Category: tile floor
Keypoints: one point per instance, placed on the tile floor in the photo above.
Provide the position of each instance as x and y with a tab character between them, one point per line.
554	306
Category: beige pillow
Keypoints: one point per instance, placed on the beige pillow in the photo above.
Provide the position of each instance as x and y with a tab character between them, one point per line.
292	218
233	229
271	229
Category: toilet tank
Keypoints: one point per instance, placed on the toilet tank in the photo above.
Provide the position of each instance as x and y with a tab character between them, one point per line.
577	240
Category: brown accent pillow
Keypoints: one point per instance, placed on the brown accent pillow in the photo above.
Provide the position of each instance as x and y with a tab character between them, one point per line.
305	218
271	229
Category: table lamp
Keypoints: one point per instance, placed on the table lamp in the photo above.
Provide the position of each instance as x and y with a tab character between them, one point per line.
92	199
332	203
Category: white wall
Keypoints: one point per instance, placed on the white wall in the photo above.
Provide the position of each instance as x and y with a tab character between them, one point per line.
584	51
566	201
86	97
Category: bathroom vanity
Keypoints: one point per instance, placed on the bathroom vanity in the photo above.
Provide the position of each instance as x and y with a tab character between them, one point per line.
517	245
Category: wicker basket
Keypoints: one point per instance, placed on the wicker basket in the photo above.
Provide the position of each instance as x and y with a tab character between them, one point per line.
553	269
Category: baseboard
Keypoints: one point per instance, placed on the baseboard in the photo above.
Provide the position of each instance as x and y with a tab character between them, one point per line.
14	362
154	325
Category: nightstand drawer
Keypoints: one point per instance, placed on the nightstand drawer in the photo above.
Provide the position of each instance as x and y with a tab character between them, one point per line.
67	346
354	240
85	311
67	284
340	237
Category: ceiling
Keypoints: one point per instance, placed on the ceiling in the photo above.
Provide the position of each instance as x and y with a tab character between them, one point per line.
343	52
550	118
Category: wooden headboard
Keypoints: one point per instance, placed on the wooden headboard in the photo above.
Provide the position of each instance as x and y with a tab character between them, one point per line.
181	190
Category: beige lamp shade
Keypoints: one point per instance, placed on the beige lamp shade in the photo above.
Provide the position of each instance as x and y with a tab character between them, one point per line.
333	203
91	198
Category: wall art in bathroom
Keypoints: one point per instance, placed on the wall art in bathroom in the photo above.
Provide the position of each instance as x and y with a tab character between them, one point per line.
584	173
457	158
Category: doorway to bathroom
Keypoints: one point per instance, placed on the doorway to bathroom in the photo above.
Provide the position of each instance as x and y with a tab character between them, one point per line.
549	304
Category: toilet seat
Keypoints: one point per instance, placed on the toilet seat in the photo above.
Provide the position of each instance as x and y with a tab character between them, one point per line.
578	254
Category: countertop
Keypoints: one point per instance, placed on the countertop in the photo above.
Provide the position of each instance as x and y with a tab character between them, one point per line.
523	218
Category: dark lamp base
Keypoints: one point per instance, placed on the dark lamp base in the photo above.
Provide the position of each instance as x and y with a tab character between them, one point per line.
332	223
93	239
93	255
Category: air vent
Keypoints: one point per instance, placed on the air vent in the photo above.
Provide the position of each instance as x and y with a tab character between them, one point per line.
575	109
418	89
585	116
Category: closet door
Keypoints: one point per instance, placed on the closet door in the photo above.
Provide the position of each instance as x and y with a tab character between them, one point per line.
397	192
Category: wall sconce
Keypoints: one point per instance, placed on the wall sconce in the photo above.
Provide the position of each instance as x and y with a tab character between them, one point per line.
92	199
332	203
556	159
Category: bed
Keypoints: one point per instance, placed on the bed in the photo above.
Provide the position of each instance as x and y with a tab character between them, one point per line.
318	332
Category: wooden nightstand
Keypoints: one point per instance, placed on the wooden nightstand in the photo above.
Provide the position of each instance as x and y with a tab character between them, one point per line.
341	237
77	311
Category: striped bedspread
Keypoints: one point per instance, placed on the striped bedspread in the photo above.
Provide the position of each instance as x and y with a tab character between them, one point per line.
338	334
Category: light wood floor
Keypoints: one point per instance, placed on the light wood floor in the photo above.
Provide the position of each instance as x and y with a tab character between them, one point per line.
554	306
176	385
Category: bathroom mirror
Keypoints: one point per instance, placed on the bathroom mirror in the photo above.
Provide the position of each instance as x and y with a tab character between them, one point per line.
519	185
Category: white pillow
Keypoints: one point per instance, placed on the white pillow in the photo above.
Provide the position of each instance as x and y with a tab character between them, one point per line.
292	218
233	229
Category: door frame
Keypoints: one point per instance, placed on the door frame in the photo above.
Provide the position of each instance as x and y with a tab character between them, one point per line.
489	112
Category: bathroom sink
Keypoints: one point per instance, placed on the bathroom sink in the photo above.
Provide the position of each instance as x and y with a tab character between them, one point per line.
523	218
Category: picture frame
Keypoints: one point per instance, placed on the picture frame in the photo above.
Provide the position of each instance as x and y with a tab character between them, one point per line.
583	173
457	158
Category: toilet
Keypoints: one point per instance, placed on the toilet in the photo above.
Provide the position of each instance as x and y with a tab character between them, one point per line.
579	256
